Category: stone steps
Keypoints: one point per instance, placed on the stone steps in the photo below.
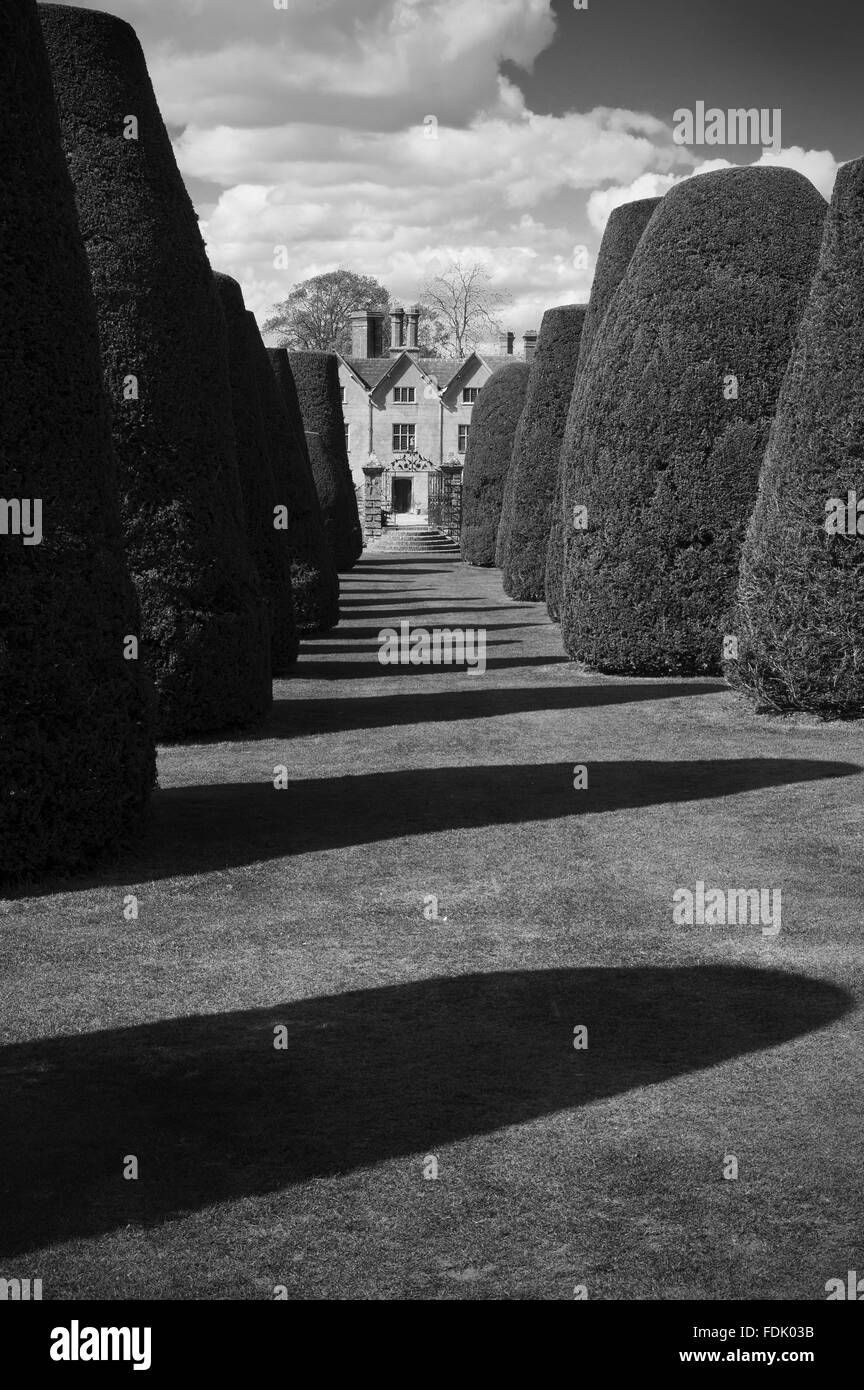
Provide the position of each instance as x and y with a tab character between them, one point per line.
400	539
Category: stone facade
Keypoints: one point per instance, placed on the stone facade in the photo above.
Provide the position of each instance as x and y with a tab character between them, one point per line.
408	413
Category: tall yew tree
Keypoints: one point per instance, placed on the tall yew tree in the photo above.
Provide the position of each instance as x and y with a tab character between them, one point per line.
316	375
670	418
494	419
526	514
77	759
204	625
314	580
620	239
267	541
800	624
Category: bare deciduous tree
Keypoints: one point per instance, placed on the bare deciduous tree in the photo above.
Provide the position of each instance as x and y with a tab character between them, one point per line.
464	305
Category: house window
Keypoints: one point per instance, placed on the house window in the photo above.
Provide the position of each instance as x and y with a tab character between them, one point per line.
348	438
404	395
403	439
463	438
470	394
342	389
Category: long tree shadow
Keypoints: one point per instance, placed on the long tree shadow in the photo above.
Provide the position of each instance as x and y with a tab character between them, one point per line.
213	1111
369	646
362	570
356	634
197	829
371	669
460	607
359	599
293	718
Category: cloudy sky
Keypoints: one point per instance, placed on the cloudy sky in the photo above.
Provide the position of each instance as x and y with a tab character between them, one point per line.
308	126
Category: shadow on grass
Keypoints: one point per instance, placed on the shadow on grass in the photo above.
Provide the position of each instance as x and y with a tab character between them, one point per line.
357	634
403	568
369	649
370	668
460	607
292	718
213	1112
198	829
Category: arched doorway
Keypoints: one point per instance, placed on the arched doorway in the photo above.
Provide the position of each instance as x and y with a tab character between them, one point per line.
406	490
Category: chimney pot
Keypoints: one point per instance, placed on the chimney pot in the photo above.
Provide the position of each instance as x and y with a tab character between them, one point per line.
413	320
397	329
367	332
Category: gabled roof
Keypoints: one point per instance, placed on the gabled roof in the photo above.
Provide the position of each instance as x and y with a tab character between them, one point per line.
398	360
368	371
468	361
439	371
494	361
442	368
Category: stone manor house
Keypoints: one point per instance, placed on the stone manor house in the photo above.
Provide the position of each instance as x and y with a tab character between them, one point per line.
407	413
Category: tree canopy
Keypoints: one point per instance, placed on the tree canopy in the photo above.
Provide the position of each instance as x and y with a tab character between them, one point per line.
316	316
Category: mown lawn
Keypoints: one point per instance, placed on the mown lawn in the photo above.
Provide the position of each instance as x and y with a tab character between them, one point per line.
302	910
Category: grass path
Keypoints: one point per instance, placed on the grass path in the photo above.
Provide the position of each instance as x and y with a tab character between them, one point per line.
406	1038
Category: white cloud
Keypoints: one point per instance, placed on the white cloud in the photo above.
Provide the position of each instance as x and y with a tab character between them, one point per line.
509	191
819	166
310	122
378	64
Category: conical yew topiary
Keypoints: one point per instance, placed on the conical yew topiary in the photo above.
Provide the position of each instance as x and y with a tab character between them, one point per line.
204	624
314	580
526	513
316	376
77	758
620	239
268	543
670	417
800	621
494	419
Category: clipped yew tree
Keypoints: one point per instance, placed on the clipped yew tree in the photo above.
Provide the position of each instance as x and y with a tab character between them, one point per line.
670	417
800	622
204	626
316	377
620	239
267	541
314	580
526	513
494	419
77	758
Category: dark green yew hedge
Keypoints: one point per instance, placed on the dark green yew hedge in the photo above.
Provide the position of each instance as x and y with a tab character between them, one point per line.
314	579
316	376
494	419
620	239
526	514
204	625
659	447
800	623
77	757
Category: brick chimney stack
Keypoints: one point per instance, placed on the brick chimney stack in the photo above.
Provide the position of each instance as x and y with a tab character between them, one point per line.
397	330
367	332
529	340
413	320
505	344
